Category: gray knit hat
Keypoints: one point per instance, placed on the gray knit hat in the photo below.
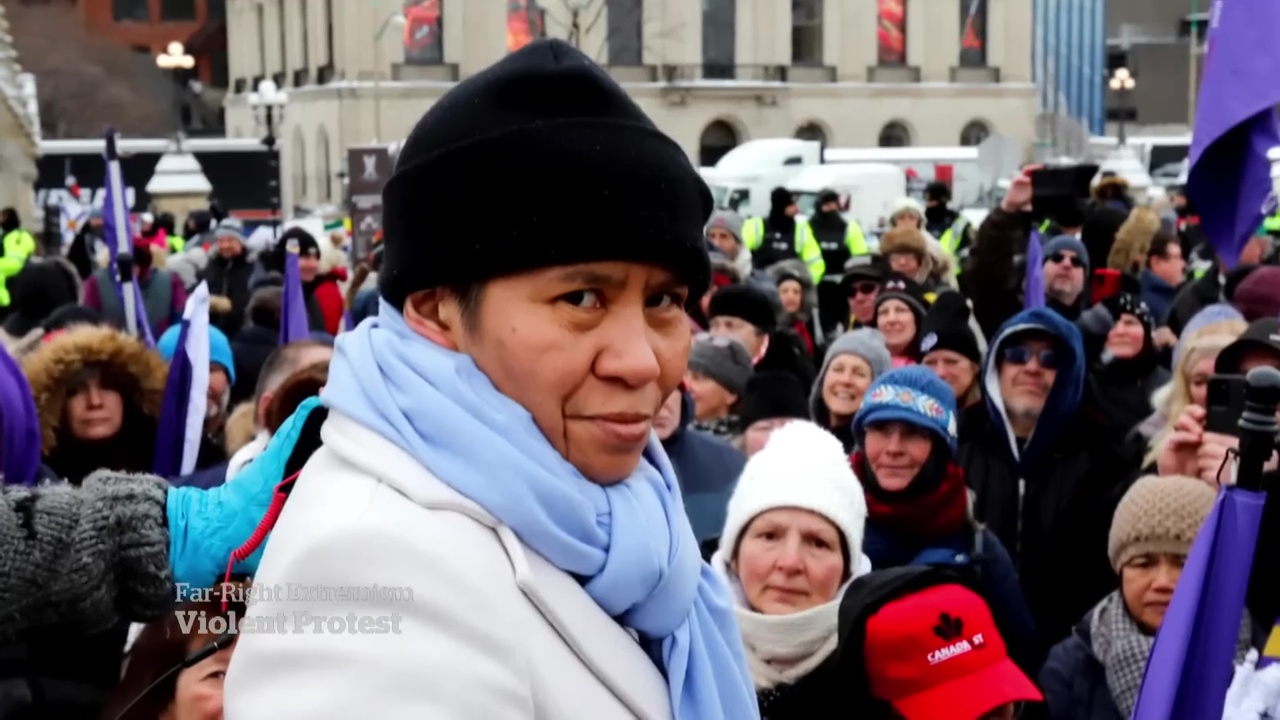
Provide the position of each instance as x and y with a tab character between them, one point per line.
1159	514
723	359
230	227
866	343
727	220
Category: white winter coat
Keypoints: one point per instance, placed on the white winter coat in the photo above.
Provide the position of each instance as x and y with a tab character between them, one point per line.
493	630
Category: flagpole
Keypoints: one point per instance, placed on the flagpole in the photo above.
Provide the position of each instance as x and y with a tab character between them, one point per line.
1192	48
123	241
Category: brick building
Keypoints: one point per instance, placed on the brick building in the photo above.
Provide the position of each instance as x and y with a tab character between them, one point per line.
148	26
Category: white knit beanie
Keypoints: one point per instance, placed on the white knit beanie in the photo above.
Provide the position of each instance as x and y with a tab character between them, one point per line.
802	466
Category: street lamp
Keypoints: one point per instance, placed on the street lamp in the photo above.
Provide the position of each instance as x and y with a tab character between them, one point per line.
1122	83
268	103
174	60
395	19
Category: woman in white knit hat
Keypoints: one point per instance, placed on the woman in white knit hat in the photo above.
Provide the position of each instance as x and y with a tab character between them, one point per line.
791	544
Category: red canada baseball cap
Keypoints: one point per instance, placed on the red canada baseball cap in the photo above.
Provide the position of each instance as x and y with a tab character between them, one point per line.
937	655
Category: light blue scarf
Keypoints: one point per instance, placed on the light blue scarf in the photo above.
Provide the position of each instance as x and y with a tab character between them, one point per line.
630	544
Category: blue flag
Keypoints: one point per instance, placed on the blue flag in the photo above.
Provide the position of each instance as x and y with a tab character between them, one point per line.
1191	664
186	392
1230	178
119	238
1033	288
293	310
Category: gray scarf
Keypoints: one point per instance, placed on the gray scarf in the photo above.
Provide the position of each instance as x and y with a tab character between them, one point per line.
1123	648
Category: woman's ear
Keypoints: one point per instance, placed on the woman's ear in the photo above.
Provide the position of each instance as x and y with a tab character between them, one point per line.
435	315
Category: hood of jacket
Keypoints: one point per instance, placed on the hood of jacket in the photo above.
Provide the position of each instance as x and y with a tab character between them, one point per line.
51	367
795	268
1068	388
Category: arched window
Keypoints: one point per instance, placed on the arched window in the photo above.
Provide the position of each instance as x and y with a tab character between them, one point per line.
717	139
299	150
895	134
324	178
811	131
974	133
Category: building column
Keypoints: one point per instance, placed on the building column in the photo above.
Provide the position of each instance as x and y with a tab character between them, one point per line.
919	20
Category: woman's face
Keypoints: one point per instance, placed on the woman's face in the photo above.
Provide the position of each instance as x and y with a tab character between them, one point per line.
1126	337
725	241
791	294
710	399
955	370
896	451
844	385
897	324
908	220
1147	583
94	412
308	267
219	385
197	695
789	560
1198	379
758	433
904	264
590	350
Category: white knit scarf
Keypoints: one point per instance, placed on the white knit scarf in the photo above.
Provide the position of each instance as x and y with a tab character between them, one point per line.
782	649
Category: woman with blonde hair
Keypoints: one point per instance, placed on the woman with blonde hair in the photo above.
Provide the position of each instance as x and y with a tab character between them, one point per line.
1211	330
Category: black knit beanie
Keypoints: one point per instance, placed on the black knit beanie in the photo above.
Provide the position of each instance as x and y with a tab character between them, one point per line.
771	395
946	327
553	123
745	302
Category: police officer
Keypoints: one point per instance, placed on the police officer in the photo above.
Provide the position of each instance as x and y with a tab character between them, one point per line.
783	236
839	240
952	230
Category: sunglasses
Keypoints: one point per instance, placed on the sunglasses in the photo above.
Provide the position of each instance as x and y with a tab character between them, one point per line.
865	288
1058	257
1021	355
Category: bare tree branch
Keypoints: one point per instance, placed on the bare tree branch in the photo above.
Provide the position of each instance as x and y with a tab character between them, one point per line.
595	18
85	81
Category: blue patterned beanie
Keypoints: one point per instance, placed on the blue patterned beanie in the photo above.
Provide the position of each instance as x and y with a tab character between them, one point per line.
914	395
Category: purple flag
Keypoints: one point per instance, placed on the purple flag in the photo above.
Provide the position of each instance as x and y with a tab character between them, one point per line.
119	238
186	391
348	323
293	310
1230	178
1192	661
19	425
1033	289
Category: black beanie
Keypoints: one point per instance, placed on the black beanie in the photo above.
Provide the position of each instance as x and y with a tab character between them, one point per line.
549	119
910	292
307	244
946	327
772	394
746	302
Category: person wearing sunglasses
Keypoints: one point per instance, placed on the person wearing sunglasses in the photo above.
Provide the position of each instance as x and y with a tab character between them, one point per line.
863	276
1066	265
1045	477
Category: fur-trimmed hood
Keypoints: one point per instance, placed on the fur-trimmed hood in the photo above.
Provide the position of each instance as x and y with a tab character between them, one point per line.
50	367
796	269
1133	241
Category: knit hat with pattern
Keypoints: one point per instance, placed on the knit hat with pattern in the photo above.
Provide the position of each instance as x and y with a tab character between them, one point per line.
1159	514
802	466
912	394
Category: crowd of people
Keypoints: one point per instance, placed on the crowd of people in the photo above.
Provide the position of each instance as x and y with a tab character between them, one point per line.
633	457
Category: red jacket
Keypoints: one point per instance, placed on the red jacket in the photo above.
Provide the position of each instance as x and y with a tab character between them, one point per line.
329	298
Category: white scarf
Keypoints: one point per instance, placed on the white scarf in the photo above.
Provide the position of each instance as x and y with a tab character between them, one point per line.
246	454
782	649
